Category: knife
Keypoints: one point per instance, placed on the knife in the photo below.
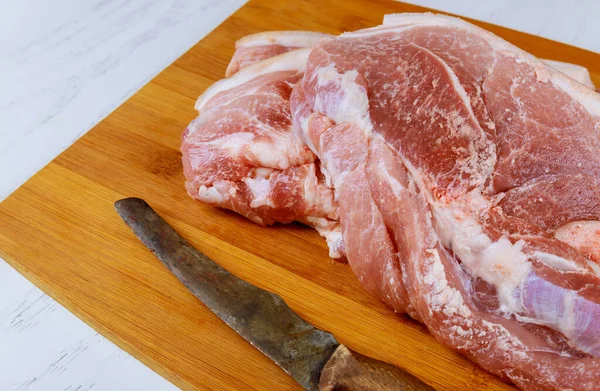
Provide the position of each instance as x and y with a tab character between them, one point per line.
314	358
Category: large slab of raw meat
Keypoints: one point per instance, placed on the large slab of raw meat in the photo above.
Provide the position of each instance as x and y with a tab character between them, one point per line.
464	174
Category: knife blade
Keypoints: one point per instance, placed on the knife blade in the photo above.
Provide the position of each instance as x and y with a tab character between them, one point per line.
312	357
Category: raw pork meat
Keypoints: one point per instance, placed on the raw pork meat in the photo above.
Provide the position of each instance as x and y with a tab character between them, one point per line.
257	47
261	46
465	171
576	72
240	152
468	179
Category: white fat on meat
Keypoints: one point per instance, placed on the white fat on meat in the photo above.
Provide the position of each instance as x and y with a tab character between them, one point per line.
296	39
261	194
212	195
232	143
500	263
332	233
574	71
352	103
444	297
261	46
264	152
558	263
291	61
595	267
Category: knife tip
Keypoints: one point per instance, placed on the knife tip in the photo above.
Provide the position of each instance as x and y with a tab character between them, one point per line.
129	203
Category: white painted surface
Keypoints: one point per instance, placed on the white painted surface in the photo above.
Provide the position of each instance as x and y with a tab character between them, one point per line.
570	21
45	347
64	65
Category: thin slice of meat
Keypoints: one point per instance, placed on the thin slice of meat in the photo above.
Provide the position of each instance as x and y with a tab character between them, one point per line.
261	46
574	71
240	153
444	120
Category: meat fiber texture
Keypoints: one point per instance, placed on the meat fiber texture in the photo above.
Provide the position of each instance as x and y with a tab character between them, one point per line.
464	176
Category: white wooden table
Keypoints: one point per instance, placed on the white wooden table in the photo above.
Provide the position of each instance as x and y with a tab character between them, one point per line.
64	65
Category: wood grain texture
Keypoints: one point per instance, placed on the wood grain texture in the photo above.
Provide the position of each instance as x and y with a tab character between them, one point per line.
44	347
60	230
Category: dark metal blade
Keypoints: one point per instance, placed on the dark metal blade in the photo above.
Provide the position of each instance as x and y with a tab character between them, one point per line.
261	317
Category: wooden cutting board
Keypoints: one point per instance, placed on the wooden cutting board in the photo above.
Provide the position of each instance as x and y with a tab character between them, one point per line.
60	230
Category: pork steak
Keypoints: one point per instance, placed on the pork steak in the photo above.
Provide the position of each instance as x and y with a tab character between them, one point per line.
457	173
467	176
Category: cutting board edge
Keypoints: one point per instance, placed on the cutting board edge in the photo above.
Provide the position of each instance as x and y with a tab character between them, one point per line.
81	314
94	324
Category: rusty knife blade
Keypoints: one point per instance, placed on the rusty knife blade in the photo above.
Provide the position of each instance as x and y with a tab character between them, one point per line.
261	317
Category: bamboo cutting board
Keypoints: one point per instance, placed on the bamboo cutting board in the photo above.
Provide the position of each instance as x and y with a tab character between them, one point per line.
60	230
